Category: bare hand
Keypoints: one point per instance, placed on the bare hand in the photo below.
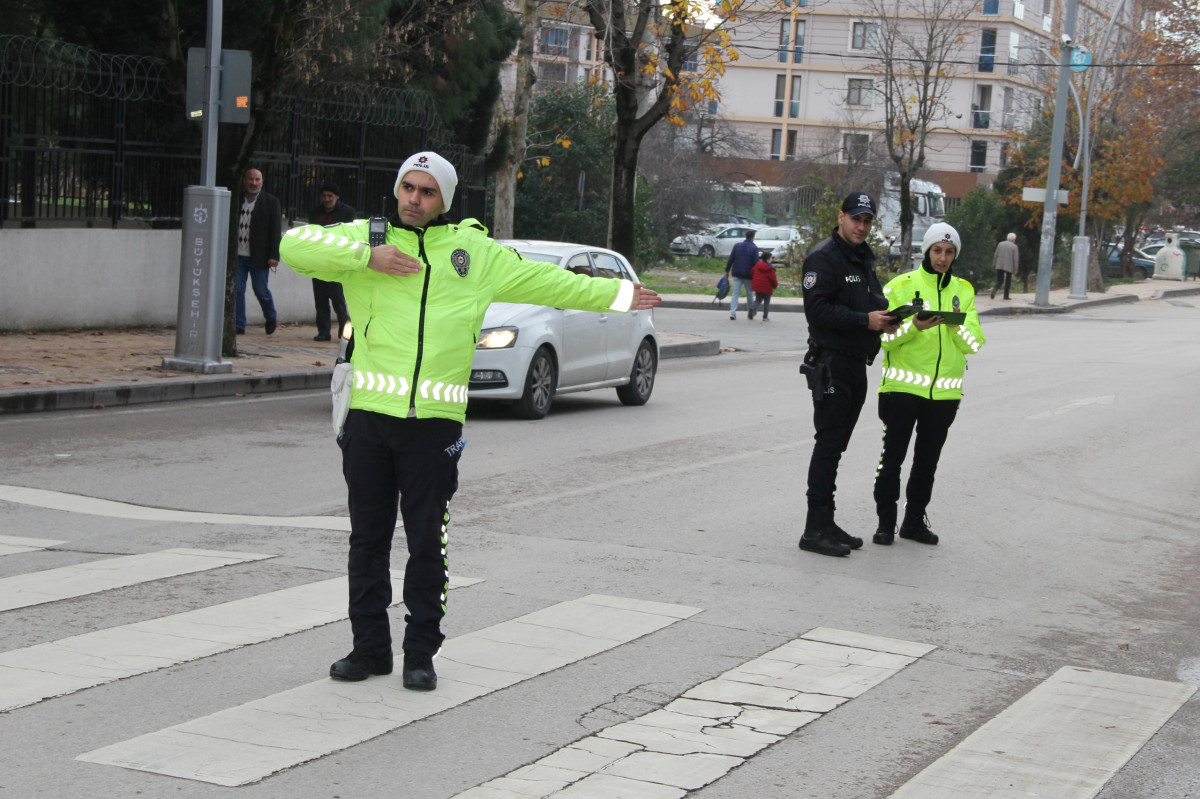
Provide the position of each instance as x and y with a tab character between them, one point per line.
925	324
388	259
882	320
643	298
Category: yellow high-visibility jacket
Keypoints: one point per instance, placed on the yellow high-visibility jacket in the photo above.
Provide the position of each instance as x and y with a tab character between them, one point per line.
415	335
930	363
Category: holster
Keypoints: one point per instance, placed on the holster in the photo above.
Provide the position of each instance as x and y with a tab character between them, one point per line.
815	368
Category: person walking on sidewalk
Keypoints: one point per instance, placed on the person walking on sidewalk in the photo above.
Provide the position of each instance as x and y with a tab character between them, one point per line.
846	313
418	302
258	230
764	282
1005	261
738	267
330	211
924	362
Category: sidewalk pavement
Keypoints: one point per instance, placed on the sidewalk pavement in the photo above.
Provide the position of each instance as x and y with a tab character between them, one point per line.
76	369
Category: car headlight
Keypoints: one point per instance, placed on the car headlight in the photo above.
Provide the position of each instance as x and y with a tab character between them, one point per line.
497	338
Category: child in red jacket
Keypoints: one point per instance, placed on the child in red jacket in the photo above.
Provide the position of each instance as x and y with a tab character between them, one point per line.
763	281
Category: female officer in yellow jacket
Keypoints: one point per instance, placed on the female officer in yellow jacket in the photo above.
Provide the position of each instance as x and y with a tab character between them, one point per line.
923	367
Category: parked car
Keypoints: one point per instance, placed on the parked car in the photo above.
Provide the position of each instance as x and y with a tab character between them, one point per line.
1142	266
726	218
527	354
715	242
782	242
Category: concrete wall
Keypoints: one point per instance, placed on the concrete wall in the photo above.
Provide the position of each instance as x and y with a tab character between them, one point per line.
94	278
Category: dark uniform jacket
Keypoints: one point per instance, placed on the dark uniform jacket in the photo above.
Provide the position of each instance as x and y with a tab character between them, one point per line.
840	290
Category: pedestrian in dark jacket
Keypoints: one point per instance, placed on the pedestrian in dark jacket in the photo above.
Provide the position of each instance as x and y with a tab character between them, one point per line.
764	281
330	211
741	263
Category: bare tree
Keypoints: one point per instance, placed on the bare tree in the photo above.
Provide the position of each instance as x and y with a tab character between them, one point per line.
916	45
647	45
512	125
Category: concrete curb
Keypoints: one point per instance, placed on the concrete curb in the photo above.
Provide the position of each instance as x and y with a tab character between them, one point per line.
116	395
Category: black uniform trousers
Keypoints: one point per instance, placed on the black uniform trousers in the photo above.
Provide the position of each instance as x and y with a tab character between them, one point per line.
900	413
326	293
410	465
834	418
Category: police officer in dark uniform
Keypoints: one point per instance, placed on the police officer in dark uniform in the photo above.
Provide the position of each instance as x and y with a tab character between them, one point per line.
846	313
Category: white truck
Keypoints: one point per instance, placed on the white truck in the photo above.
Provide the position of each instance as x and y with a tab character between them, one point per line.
928	207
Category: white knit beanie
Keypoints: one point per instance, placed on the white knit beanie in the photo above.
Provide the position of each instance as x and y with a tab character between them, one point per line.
442	171
941	232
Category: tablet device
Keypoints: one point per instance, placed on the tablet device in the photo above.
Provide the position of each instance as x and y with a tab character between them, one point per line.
950	317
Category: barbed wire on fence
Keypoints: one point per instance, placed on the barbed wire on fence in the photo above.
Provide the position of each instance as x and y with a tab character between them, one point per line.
49	64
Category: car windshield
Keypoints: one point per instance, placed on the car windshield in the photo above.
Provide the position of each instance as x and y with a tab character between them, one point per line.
533	255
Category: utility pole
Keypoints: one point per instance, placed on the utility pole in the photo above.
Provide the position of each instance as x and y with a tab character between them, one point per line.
205	234
1050	214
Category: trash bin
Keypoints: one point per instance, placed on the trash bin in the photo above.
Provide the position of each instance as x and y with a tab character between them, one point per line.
1169	262
1191	258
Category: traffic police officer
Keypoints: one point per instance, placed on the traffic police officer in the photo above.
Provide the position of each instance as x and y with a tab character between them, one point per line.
846	312
418	301
924	363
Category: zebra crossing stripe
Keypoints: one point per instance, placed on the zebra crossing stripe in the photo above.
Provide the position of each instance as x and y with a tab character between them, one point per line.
34	673
247	743
716	726
75	503
1066	738
11	544
52	585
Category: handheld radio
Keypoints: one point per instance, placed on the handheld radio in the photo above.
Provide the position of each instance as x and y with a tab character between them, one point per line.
377	226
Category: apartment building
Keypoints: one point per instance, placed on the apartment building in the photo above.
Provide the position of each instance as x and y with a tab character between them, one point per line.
805	87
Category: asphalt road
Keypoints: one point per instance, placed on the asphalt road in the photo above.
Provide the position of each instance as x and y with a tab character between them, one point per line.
1066	500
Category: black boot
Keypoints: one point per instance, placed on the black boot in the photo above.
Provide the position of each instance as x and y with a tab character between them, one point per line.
916	528
885	533
852	541
362	663
418	672
819	535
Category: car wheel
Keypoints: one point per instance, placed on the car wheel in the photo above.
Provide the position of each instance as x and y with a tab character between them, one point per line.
1139	272
707	251
641	377
540	383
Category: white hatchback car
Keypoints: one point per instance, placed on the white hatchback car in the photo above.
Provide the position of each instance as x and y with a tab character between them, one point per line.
529	353
714	242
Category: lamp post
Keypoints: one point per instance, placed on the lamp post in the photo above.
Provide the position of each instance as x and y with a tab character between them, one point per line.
1050	212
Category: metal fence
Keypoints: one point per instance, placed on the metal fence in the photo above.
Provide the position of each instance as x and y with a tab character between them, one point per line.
92	138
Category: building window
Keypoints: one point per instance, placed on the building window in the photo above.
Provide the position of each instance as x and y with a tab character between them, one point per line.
776	143
798	49
794	106
1014	53
554	42
854	147
1003	154
591	41
784	27
780	87
982	107
987	49
859	92
990	8
552	72
978	155
1018	9
864	35
692	62
791	147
